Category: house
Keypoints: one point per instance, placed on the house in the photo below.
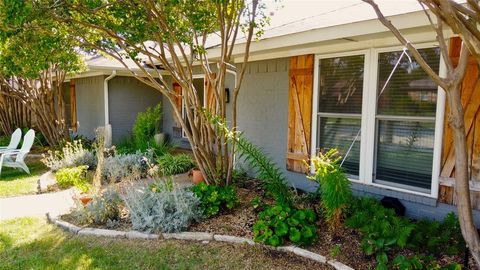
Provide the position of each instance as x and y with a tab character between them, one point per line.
322	81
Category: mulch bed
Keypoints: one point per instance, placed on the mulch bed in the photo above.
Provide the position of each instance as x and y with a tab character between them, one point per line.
344	245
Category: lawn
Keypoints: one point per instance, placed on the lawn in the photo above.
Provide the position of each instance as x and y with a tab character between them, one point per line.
31	243
17	182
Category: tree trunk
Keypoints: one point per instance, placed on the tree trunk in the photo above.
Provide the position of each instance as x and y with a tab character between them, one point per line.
462	188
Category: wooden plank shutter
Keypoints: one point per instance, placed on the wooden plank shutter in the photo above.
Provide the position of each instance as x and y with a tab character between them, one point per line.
73	105
211	102
300	93
177	89
470	96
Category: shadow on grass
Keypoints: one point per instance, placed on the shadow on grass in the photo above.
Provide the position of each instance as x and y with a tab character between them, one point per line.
29	243
10	174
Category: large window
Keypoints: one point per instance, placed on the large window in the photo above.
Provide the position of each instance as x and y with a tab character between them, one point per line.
384	123
405	121
340	108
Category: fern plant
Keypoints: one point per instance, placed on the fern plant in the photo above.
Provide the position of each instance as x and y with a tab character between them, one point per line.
272	178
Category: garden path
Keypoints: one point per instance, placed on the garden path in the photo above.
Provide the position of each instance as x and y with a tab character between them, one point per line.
56	203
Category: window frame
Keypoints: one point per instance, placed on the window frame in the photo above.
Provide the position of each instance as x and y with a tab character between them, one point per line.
369	118
316	114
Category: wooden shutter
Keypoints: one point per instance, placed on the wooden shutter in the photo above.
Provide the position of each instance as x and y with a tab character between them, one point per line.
177	89
470	95
210	95
300	93
73	105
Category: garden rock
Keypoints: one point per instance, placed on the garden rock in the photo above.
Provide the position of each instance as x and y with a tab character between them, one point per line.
140	235
232	239
46	180
102	232
310	255
338	265
197	236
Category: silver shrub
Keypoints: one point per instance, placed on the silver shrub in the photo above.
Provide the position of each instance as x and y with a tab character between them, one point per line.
124	168
167	209
73	154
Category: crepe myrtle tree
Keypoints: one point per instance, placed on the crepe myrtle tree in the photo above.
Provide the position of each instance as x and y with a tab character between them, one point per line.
463	20
171	37
35	56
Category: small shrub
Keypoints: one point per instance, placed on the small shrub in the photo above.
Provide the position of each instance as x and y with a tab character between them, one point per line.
382	230
146	126
334	187
72	154
215	198
418	262
162	209
438	237
277	223
69	177
104	209
124	168
174	164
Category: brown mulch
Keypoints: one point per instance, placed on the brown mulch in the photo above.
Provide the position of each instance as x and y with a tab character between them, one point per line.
343	245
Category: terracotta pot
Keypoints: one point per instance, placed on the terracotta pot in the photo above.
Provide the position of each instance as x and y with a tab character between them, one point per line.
84	199
197	176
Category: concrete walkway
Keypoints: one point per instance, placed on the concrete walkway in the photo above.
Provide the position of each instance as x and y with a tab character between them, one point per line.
37	205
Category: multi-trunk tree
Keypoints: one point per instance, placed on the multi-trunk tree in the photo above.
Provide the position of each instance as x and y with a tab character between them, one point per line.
35	56
463	19
163	43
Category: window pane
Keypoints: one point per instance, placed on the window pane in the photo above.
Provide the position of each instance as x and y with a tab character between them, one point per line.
340	133
341	84
405	152
410	91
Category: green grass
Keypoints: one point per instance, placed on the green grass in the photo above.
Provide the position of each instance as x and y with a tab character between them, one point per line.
17	182
31	243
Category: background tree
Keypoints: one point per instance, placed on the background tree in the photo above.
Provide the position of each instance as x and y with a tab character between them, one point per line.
35	56
463	20
173	37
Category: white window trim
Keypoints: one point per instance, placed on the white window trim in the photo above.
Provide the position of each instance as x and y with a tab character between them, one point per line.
316	70
368	126
195	76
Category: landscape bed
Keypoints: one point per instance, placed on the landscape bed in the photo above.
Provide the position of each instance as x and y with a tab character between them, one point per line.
343	246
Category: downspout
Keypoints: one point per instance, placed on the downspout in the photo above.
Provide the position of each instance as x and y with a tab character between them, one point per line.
108	127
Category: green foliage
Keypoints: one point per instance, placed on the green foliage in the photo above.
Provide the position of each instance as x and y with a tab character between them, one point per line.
334	251
334	186
382	230
162	208
174	164
76	176
277	223
438	237
72	154
272	178
104	209
215	198
31	42
421	263
146	126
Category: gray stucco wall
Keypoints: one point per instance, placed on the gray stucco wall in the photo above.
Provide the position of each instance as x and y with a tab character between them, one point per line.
90	104
127	97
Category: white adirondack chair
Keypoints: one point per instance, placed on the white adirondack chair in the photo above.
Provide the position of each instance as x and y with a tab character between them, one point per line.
16	158
14	141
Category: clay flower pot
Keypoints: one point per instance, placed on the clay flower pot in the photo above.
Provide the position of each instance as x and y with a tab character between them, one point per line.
197	176
83	198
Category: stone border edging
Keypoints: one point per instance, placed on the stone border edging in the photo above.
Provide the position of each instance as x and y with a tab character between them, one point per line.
190	236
